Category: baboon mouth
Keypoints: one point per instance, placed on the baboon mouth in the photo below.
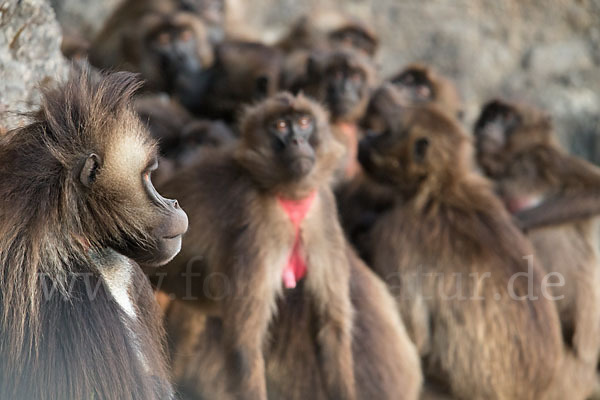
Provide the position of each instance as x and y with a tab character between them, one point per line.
171	237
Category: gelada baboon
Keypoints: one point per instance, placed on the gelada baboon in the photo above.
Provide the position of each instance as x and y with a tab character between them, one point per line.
329	32
552	196
343	81
274	232
449	252
271	196
362	200
170	50
124	20
386	363
420	83
77	212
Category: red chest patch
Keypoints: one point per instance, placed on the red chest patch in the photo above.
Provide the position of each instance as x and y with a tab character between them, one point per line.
296	210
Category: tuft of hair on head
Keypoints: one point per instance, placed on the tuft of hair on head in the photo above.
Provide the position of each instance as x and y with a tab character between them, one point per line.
43	210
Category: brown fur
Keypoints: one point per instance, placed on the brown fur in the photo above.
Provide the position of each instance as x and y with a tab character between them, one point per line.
446	223
248	243
329	32
528	169
58	341
443	91
181	137
320	67
74	47
125	42
386	362
244	72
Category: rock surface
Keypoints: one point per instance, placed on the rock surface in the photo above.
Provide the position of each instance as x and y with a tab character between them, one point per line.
29	55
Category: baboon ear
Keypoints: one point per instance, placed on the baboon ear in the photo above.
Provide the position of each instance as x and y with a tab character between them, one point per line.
420	149
88	172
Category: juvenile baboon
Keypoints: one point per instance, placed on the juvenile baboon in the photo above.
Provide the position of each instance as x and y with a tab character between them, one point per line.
170	50
552	196
77	213
343	81
274	233
452	257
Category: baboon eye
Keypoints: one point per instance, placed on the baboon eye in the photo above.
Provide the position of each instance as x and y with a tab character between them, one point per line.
185	35
304	122
163	38
281	125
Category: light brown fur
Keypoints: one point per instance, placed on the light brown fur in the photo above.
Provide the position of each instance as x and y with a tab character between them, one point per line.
547	190
248	243
444	92
58	243
123	43
445	225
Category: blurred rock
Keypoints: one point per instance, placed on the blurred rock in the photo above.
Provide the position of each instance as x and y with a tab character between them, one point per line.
556	59
29	55
83	17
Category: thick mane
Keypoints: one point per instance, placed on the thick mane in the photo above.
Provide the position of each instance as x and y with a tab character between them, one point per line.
42	211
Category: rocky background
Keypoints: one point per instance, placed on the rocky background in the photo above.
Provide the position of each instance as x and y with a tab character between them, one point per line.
545	52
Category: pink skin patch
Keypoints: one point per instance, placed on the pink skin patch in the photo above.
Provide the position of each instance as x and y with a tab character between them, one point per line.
296	210
516	204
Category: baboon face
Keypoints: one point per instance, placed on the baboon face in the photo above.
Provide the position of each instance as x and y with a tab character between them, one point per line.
286	140
354	37
493	129
293	140
146	226
178	45
504	130
415	85
420	144
495	124
342	80
346	88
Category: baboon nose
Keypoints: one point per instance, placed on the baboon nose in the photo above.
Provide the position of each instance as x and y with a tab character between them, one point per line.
176	204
